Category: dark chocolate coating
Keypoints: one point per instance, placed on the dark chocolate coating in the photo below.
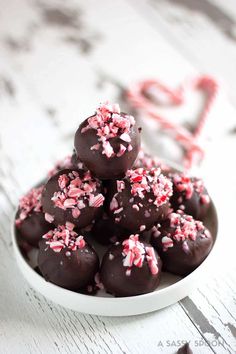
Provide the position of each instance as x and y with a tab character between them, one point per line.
74	271
114	278
175	259
192	206
130	218
33	227
61	216
99	164
106	232
76	163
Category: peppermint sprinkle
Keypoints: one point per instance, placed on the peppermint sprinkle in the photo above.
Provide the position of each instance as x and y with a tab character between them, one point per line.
184	184
121	151
155	232
114	204
187	185
62	237
111	256
183	228
185	247
151	259
135	253
128	272
117	211
142	228
49	218
77	190
145	181
97	201
109	123
29	203
136	207
167	242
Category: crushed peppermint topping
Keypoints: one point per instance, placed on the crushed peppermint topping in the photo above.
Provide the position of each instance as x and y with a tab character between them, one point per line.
155	231
150	180
63	237
142	228
49	218
76	192
114	203
110	123
31	202
185	247
135	253
188	185
184	228
167	242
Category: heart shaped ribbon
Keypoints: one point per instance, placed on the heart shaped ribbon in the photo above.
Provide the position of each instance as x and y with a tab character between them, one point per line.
147	95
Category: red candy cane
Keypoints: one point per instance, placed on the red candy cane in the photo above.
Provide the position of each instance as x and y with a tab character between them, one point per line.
138	97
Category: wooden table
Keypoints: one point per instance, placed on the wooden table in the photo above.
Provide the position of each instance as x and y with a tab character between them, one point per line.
57	61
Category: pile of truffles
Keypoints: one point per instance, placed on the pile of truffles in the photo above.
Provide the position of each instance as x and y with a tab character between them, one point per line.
111	193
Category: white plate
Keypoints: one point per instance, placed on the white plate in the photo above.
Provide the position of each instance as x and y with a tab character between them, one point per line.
171	289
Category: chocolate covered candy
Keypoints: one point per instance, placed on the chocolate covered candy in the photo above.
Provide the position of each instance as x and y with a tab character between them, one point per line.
182	243
130	268
189	195
140	199
66	260
30	221
74	196
108	142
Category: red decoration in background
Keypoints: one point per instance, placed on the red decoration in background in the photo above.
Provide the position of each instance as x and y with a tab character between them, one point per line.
139	97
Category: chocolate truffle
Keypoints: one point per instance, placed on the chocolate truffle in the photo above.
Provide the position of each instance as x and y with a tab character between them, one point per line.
140	199
108	142
148	161
189	195
130	268
66	260
182	243
106	232
69	162
30	221
73	196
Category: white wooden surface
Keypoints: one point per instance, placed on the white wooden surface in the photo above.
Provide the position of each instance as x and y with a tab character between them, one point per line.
57	60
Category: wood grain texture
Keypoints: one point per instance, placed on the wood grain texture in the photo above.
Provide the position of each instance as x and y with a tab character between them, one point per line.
57	61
